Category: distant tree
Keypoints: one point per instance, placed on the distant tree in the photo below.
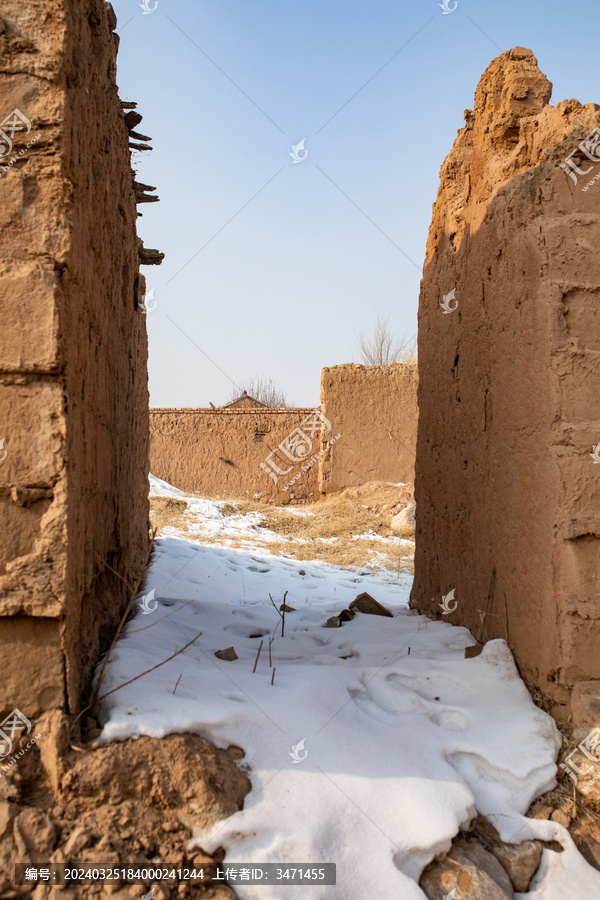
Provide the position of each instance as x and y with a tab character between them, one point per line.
381	347
262	388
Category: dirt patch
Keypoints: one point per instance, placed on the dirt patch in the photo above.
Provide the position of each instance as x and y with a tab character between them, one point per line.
167	512
577	810
346	529
228	509
581	815
135	801
380	497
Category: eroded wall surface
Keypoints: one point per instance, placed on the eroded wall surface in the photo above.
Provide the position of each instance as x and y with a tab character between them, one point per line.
364	430
507	494
374	409
236	453
73	353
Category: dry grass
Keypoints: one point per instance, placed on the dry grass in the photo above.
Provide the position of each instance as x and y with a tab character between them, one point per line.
337	520
582	809
167	512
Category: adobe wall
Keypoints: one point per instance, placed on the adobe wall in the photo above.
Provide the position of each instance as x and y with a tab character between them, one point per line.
374	409
73	355
235	453
509	383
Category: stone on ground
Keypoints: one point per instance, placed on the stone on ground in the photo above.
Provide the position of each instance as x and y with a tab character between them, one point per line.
364	603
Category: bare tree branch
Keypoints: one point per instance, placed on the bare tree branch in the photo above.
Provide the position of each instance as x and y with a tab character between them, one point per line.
381	347
262	388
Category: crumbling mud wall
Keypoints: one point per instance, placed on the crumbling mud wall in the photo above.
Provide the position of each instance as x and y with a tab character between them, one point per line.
365	430
237	454
73	352
507	493
374	409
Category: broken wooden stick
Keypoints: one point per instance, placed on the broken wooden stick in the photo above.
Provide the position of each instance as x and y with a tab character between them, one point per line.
157	666
283	615
275	606
134	592
256	660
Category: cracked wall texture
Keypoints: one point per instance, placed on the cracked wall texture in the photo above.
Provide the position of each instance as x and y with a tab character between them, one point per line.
509	383
374	409
73	355
218	453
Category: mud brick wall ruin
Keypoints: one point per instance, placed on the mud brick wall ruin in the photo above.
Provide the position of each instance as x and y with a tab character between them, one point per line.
507	495
374	409
367	432
73	354
220	453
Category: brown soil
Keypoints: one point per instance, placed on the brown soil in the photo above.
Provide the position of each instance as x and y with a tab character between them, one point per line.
135	801
580	806
167	512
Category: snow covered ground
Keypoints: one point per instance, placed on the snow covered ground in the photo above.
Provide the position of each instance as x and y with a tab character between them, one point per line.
398	739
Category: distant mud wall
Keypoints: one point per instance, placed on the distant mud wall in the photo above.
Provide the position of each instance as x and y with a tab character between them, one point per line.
507	492
374	409
267	454
73	353
365	430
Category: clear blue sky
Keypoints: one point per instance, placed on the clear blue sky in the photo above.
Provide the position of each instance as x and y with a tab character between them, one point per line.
274	266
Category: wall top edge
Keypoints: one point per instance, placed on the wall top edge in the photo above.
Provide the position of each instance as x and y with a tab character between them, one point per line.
257	410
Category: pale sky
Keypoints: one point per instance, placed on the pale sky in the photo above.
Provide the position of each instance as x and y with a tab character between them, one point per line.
274	266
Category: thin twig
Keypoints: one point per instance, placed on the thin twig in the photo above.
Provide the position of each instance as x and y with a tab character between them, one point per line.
283	617
256	660
270	660
162	618
118	574
238	838
491	593
274	630
274	606
134	592
273	675
71	729
178	680
157	666
506	618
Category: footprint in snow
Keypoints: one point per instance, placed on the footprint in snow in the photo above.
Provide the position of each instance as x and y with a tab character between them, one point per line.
452	719
246	631
434	687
